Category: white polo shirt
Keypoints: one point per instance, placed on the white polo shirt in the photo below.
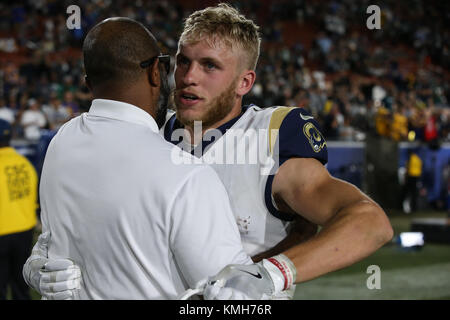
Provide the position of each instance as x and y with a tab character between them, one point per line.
138	225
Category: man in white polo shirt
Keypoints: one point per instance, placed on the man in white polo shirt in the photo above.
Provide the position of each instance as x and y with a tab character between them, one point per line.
137	225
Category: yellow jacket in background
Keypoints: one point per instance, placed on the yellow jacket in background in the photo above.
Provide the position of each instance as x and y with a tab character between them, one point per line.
18	192
414	166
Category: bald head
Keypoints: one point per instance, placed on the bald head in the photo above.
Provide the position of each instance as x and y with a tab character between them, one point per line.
112	52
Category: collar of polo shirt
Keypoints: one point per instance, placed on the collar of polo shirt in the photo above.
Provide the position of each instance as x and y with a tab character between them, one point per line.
122	111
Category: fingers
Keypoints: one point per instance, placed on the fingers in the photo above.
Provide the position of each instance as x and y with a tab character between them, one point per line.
60	279
72	273
54	287
211	292
239	295
64	295
224	294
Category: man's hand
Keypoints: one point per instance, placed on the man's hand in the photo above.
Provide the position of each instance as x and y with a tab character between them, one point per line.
260	281
54	279
60	280
36	261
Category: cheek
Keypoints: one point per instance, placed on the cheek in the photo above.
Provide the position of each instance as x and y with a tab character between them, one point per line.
177	76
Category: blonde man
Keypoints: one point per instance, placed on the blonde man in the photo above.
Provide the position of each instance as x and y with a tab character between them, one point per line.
215	67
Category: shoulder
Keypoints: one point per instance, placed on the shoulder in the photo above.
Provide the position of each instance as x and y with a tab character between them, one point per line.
179	164
299	134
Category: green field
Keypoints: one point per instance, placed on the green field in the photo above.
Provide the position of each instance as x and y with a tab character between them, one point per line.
423	274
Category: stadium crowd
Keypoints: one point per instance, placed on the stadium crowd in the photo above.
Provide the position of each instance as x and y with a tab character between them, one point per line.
316	54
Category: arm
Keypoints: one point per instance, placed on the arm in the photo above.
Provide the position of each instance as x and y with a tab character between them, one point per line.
54	279
301	231
354	226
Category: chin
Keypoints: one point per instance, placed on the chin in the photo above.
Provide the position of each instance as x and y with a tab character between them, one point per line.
187	117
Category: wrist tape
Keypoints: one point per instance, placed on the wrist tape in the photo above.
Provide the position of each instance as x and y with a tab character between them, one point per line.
282	270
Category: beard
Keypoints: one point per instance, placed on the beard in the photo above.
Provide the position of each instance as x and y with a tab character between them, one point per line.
163	101
216	110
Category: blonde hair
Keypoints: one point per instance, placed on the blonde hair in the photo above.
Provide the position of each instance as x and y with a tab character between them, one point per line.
224	23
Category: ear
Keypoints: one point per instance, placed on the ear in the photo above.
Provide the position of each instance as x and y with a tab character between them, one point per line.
246	82
153	74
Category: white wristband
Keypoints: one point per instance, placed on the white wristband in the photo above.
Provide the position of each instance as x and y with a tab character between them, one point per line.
282	270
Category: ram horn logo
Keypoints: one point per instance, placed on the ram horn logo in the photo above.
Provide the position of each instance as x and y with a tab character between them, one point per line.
315	138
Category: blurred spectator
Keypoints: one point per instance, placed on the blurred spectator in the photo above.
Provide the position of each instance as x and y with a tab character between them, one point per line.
332	122
18	202
430	129
399	126
417	123
413	174
382	120
347	132
313	51
70	104
324	43
33	120
317	99
56	113
5	112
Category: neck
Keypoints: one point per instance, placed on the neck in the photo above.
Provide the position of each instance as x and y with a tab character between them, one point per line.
132	96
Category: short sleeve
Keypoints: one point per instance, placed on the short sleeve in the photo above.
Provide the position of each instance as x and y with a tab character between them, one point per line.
298	136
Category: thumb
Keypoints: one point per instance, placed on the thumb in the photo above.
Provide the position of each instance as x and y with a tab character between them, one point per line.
58	264
41	246
44	238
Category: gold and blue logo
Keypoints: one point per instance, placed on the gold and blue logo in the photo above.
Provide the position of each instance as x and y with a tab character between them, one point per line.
315	138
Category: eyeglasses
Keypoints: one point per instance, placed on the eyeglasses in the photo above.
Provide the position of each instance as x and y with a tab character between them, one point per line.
164	59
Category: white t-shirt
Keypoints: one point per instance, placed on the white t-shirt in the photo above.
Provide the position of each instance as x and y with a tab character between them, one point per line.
138	225
7	114
33	121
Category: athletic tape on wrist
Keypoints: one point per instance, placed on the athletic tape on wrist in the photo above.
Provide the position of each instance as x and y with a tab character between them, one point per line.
287	269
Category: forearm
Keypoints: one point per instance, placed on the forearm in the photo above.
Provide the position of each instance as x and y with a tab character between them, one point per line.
354	233
301	231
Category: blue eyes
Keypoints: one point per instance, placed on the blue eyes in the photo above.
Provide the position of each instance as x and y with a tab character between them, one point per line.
208	66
